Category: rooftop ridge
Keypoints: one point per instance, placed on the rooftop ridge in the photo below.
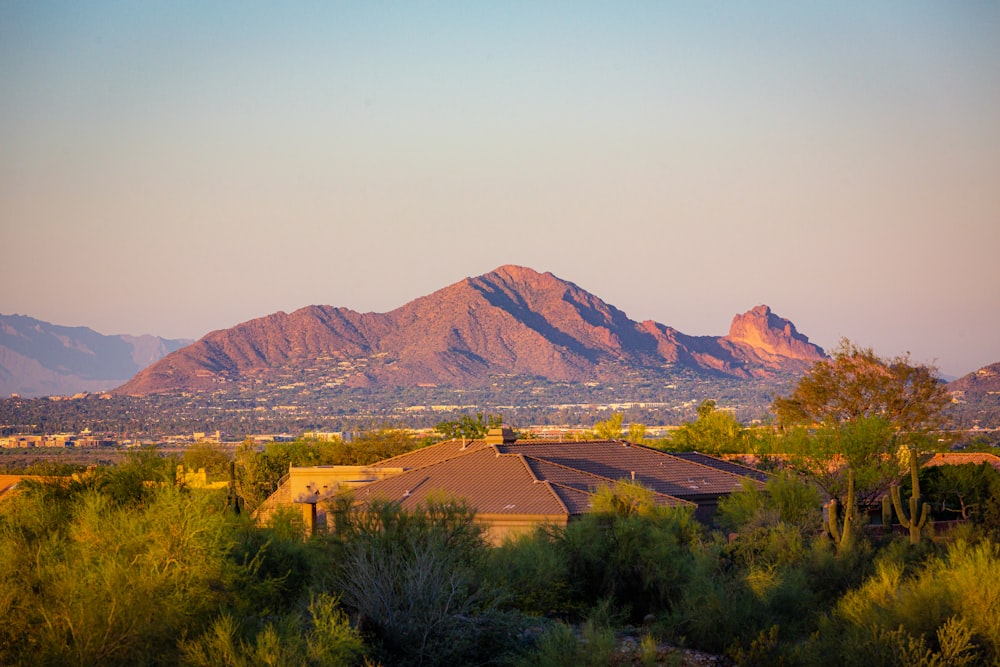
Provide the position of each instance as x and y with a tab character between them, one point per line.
706	466
736	464
422	452
548	485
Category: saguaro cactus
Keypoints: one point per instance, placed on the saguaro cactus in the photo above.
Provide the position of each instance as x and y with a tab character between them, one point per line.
886	515
910	521
843	536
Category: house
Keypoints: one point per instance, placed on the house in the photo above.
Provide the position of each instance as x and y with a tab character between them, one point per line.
516	485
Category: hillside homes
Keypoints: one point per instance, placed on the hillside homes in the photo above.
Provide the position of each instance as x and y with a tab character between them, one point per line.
516	485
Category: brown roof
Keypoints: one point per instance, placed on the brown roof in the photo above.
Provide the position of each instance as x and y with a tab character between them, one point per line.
724	464
432	454
960	458
583	482
490	483
549	477
615	459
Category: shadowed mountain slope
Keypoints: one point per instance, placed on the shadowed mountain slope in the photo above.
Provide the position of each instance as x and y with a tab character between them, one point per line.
511	321
42	359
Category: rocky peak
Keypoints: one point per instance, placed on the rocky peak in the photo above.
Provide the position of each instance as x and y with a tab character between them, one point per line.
764	331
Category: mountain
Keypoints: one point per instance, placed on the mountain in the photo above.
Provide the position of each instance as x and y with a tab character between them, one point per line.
976	398
984	381
42	359
511	321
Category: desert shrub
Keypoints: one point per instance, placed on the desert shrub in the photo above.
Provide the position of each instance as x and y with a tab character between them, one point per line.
323	638
943	609
713	608
281	566
415	582
115	585
635	554
533	574
560	645
786	499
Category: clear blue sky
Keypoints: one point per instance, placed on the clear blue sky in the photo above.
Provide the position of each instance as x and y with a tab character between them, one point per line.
174	168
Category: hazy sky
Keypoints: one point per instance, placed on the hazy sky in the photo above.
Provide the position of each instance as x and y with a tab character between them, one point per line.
174	168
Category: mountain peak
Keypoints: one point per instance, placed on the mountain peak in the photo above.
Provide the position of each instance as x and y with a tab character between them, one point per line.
764	331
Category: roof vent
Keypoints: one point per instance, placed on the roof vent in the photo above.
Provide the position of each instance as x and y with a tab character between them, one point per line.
500	436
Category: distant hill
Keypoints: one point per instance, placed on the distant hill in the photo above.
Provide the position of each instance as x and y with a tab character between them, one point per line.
976	398
512	321
42	359
984	381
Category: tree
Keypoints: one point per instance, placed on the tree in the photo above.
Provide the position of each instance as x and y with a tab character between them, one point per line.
848	417
610	429
856	383
468	428
713	432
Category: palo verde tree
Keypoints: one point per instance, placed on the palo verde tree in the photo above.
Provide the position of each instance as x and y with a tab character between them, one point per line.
857	410
714	432
468	427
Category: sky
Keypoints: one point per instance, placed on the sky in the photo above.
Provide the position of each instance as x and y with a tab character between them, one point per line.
174	168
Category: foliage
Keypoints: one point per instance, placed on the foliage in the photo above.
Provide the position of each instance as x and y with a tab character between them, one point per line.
208	456
534	573
629	551
857	384
786	498
559	646
849	416
713	432
866	446
110	584
966	491
609	429
414	580
468	428
942	612
324	639
259	470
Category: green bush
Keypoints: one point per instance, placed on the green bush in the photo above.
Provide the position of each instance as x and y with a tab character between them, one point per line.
534	574
113	585
415	582
324	638
944	609
635	554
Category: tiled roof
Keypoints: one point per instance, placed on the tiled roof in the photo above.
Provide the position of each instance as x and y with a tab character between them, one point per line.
723	464
611	459
583	482
490	483
544	477
960	458
425	456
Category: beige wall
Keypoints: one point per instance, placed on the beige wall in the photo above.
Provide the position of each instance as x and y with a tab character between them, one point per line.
323	481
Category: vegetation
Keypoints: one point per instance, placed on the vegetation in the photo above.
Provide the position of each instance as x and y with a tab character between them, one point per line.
468	428
122	565
848	418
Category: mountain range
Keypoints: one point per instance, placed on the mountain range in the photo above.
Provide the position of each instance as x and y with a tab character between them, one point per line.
42	359
511	321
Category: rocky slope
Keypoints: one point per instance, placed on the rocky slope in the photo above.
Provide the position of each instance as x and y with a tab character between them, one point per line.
511	321
986	380
42	359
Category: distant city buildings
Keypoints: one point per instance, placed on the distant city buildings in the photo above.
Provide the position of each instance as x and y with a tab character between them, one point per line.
63	440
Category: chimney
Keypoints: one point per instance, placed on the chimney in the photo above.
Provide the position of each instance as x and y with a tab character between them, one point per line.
500	436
